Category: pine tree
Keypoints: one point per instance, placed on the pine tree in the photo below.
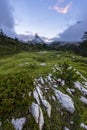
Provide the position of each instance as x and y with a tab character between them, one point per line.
1	32
83	45
84	36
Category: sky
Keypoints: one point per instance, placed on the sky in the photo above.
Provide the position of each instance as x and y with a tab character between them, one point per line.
60	19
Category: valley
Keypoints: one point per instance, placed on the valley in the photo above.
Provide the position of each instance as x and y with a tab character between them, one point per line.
30	81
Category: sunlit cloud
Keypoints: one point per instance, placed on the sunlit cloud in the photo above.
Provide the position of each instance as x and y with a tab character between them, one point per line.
58	9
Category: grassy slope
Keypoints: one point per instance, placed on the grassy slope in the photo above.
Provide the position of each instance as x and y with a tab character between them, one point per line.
17	73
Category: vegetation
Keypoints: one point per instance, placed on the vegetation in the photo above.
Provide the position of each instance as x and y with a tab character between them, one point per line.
20	64
78	48
66	73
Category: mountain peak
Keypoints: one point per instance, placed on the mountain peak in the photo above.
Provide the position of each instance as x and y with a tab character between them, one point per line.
37	40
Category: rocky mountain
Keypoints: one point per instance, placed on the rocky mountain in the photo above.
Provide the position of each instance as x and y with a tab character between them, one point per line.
37	40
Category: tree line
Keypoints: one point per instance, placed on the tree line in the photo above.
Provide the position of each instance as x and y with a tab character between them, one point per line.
80	49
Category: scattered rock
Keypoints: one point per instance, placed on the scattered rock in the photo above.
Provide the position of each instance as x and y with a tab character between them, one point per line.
41	120
59	80
65	128
65	101
26	63
70	67
18	123
83	126
35	111
43	64
46	91
47	107
41	80
70	91
37	114
42	52
55	86
85	83
63	83
71	122
79	86
39	92
30	94
35	94
84	100
46	88
49	77
53	98
46	80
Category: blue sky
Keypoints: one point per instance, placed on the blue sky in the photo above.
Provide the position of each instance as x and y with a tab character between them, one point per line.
49	18
37	16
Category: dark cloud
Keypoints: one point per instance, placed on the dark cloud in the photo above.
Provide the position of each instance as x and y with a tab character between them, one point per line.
6	14
6	18
74	32
9	32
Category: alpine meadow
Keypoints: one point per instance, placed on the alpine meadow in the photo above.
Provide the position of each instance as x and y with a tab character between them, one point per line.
43	65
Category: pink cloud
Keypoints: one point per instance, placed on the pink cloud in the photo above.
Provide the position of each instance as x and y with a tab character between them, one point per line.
59	9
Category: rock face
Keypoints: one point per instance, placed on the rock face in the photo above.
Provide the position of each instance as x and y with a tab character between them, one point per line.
66	128
84	100
19	123
70	91
37	114
40	93
65	101
35	94
80	87
47	107
83	126
38	96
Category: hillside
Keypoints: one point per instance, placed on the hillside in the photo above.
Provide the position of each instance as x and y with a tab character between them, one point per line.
10	46
44	90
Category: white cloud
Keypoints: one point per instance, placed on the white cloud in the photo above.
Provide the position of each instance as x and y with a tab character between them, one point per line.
25	37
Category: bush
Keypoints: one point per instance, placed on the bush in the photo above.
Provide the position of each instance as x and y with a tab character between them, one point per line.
66	73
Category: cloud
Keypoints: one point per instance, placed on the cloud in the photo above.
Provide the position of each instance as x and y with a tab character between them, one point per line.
6	16
60	9
30	37
74	32
79	18
9	32
25	37
7	21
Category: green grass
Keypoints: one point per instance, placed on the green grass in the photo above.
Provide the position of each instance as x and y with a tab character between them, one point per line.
17	73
